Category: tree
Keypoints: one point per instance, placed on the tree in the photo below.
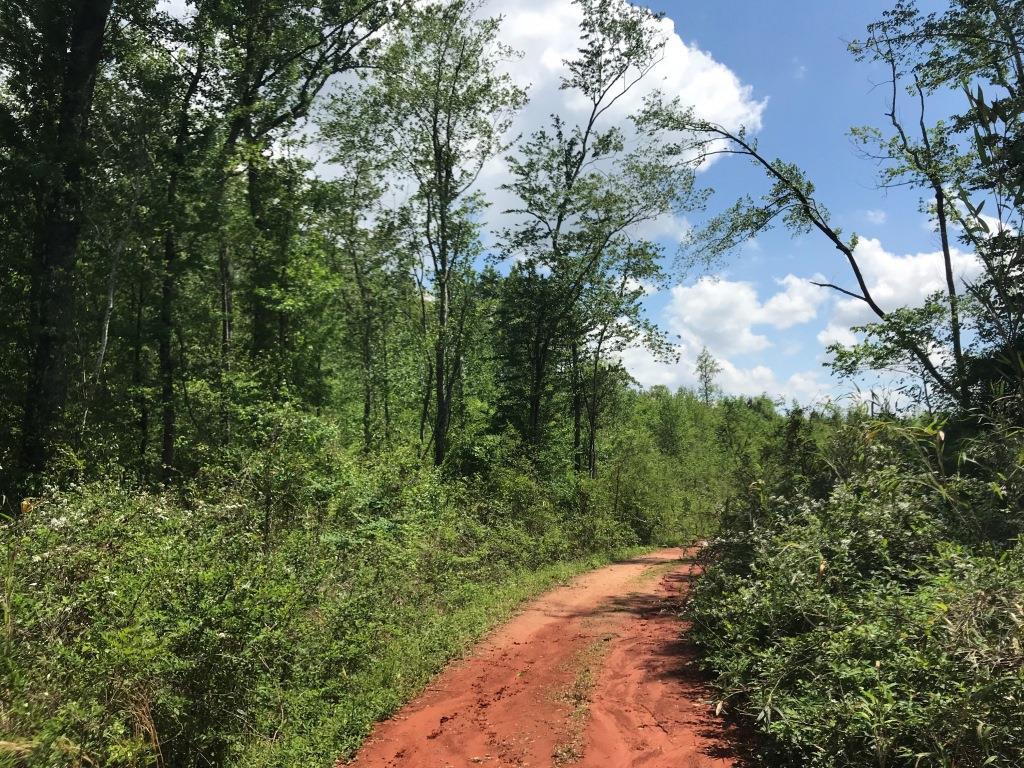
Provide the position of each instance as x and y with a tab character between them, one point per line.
707	369
445	108
54	52
976	46
972	156
581	194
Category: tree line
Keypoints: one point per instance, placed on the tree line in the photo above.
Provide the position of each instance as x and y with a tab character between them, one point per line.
173	251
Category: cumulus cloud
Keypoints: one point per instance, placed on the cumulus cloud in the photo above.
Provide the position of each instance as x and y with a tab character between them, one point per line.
722	314
900	281
876	216
834	333
547	33
806	387
717	313
673	229
797	304
996	225
733	320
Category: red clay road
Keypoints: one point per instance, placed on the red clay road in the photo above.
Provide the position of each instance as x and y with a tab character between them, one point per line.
594	674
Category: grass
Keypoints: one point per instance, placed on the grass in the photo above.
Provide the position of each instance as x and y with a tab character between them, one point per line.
578	696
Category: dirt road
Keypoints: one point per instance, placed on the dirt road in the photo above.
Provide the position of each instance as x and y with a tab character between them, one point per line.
594	674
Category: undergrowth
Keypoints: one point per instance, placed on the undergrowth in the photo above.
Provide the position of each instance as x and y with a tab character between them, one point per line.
271	611
879	622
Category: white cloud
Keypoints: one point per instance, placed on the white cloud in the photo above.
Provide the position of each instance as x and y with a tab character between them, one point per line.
876	216
900	281
722	314
716	313
650	372
804	386
796	305
671	228
547	33
995	225
753	381
833	333
647	286
807	387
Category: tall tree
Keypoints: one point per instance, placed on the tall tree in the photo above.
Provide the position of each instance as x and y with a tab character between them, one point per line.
960	165
581	195
273	60
446	106
54	51
974	162
707	369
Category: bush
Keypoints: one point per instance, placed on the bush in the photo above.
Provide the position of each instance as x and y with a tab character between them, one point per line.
271	611
857	631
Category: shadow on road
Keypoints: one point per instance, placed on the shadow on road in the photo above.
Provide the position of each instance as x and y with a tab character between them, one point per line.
672	656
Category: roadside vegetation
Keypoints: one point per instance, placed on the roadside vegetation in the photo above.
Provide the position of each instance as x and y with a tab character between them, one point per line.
269	611
865	603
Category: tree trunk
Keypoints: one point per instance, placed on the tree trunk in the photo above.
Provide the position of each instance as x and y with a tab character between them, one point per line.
427	383
52	287
263	331
138	376
593	407
951	296
108	311
168	283
226	305
538	355
386	383
367	349
166	355
577	412
442	404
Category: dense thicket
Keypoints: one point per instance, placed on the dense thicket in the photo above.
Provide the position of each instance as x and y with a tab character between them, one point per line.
270	611
865	605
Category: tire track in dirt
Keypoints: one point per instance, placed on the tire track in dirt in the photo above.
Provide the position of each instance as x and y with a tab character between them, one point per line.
592	674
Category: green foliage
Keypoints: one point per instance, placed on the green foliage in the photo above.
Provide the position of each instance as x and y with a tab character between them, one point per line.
260	624
864	605
270	610
878	622
573	299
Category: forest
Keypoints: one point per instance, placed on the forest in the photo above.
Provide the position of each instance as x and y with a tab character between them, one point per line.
297	402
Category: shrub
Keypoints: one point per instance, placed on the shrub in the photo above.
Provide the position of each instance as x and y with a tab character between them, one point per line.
270	611
856	632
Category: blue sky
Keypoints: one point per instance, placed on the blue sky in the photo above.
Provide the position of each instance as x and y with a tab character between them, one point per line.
782	69
793	56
